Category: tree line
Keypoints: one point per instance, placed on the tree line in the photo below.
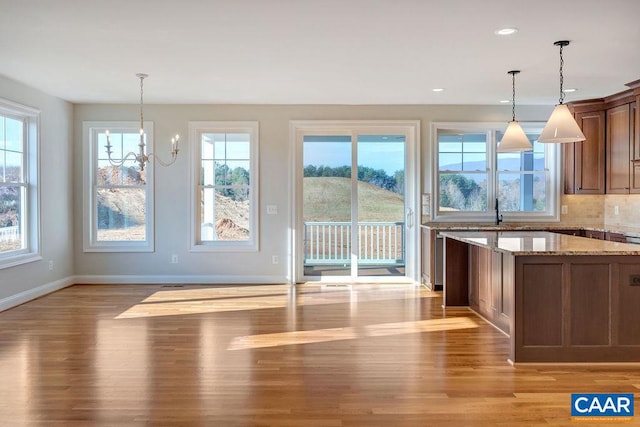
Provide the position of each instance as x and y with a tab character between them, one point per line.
377	177
461	193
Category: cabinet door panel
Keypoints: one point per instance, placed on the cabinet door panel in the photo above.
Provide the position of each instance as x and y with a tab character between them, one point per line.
635	154
589	154
496	285
618	149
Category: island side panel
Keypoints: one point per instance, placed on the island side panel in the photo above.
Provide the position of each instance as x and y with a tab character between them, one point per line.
590	299
576	309
540	304
456	273
627	302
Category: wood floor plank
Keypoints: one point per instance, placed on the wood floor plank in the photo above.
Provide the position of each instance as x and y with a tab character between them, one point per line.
241	355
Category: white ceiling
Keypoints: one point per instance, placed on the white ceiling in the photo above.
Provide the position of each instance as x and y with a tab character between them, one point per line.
318	51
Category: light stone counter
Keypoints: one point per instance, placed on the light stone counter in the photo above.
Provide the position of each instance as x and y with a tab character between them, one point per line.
475	226
541	243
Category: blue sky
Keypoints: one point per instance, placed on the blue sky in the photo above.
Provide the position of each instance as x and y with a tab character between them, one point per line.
388	156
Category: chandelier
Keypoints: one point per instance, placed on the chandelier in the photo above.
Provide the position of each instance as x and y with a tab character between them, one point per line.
142	157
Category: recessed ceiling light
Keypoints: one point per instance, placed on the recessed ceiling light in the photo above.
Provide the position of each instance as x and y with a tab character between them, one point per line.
569	90
438	89
504	101
506	31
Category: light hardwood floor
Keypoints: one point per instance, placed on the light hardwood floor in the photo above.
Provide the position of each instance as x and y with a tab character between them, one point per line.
312	355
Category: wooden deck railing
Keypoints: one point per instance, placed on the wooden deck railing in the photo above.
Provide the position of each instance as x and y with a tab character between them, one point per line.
379	243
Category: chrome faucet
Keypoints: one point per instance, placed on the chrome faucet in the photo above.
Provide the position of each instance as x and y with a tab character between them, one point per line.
498	216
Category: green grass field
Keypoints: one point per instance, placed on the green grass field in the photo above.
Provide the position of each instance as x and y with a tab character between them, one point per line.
329	199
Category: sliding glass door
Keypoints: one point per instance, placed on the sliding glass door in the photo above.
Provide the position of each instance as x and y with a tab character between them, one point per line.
355	216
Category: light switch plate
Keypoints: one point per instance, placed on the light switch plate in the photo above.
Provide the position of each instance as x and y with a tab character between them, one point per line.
272	210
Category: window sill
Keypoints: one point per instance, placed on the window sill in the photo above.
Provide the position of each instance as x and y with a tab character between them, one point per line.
12	261
119	248
225	247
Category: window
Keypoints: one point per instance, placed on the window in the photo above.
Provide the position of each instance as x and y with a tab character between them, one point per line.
225	175
19	227
470	175
523	179
463	172
119	205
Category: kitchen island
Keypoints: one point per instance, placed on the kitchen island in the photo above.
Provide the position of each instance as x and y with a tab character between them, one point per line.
560	298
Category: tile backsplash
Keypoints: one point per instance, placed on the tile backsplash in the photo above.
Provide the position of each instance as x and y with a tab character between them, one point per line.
607	211
583	209
622	210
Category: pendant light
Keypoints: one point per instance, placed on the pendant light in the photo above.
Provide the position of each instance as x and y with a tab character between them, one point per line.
514	138
561	127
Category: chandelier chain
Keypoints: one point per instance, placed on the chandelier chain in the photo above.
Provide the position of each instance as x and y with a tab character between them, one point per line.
141	102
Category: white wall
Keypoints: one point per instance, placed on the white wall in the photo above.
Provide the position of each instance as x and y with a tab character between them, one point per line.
172	184
56	211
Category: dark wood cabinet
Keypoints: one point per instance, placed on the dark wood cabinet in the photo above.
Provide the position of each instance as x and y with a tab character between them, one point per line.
623	166
608	161
568	231
619	146
634	120
489	294
615	237
584	161
554	307
594	234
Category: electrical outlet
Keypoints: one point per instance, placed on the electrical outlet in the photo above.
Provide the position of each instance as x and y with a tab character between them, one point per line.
275	259
50	265
565	209
174	259
616	210
272	210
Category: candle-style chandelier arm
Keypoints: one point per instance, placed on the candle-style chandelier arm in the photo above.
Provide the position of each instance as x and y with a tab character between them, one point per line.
118	162
174	153
142	157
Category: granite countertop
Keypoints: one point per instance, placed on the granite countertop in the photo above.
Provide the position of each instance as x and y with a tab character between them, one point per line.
541	243
450	226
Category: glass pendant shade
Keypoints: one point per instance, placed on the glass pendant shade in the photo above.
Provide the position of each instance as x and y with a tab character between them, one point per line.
514	139
561	127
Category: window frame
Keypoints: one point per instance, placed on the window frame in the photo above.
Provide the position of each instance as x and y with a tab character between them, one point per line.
552	168
31	250
90	131
196	129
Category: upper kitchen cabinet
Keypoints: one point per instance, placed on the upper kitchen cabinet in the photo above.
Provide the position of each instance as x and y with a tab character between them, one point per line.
584	161
620	146
623	167
635	150
635	137
608	161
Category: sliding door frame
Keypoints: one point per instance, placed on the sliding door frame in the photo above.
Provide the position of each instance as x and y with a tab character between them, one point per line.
411	130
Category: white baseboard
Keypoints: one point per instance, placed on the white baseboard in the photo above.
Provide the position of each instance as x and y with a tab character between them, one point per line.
31	294
183	279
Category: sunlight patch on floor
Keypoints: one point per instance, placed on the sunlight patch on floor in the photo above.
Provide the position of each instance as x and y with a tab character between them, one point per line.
202	300
338	334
